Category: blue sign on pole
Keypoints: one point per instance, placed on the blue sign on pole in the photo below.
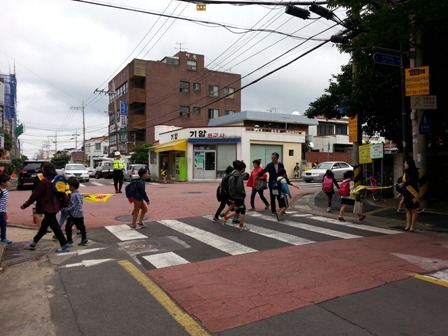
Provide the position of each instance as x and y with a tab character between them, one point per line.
123	108
425	124
387	59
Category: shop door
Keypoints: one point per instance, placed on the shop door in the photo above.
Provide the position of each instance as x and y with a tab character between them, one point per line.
205	165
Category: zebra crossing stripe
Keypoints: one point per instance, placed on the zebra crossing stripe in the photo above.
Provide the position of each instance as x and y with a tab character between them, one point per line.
97	184
284	237
356	226
124	232
308	227
166	259
208	238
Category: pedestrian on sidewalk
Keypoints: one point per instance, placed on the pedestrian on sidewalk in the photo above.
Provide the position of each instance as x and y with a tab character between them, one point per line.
4	182
328	187
140	197
347	197
296	170
118	175
224	195
282	198
257	184
51	202
75	214
164	170
411	193
272	169
238	194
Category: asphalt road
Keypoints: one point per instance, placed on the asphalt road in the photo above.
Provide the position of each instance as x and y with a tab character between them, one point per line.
308	275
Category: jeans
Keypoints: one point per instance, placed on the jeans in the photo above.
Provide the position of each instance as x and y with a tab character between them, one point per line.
3	225
252	197
79	223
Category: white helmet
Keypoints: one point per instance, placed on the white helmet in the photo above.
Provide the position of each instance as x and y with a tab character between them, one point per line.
117	154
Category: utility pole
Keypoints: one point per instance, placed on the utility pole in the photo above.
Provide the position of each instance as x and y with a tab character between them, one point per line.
76	138
114	97
83	129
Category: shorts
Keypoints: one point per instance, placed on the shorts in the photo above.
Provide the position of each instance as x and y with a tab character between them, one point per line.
240	208
282	201
347	201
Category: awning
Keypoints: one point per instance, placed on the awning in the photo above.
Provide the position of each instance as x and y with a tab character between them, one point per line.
176	145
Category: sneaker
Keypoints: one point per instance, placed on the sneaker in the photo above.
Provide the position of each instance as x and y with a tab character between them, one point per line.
215	220
328	209
30	247
244	228
223	221
69	242
6	241
235	221
137	227
277	214
142	225
83	242
63	250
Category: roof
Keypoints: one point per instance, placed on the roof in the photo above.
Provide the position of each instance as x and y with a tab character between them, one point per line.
261	116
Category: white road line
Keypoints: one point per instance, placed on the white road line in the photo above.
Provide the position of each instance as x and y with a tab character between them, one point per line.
281	236
124	232
97	184
356	226
208	238
308	227
167	259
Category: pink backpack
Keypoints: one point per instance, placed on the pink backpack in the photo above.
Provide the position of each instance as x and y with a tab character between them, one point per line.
327	186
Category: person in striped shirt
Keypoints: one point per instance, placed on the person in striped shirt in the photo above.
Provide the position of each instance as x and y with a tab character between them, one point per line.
4	182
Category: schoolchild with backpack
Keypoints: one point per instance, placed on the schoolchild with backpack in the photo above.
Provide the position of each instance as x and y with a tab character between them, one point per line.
327	187
222	193
51	201
347	198
136	194
281	190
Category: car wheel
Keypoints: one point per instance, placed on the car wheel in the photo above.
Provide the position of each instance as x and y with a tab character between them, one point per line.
87	180
97	176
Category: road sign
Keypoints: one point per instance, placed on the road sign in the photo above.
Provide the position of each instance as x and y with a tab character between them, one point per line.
417	81
377	151
425	124
364	154
424	102
353	129
387	59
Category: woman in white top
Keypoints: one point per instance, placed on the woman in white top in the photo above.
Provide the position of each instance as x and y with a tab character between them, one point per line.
350	199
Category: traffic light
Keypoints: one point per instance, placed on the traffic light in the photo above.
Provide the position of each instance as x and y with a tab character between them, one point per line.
322	11
297	11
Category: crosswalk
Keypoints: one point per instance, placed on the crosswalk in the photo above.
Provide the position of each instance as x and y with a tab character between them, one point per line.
203	239
104	183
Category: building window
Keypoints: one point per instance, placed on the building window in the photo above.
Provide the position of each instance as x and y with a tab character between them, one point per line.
325	129
213	90
291	152
229	92
196	111
184	86
213	113
196	86
184	111
192	65
98	146
227	112
341	129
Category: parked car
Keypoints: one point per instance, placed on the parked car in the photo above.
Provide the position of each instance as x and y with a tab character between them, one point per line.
28	173
317	174
77	170
104	169
131	173
91	171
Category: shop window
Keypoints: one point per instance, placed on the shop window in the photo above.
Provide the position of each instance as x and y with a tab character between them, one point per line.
213	90
184	111
184	86
213	113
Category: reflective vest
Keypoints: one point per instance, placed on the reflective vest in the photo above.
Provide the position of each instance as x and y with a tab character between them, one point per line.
118	164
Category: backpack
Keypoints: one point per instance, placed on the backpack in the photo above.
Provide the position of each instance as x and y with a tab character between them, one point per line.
344	189
327	186
58	184
233	179
276	187
131	190
223	188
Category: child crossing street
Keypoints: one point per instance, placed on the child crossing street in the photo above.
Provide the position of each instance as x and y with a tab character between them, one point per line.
282	198
76	214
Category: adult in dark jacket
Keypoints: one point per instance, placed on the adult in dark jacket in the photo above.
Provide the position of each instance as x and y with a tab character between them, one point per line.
411	193
272	169
51	205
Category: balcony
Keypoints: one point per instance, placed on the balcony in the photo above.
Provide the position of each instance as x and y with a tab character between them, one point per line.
137	96
137	68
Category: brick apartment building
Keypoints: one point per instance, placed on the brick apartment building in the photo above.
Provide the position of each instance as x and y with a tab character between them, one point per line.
177	91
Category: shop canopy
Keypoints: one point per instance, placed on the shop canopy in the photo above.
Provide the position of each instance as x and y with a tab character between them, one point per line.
176	145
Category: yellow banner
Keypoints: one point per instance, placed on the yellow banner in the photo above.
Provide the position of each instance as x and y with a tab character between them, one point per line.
97	197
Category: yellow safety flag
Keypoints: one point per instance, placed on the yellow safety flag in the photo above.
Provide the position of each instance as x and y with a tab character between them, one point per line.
97	197
359	188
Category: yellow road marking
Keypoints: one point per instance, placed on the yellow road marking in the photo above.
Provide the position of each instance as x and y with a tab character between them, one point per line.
430	279
185	320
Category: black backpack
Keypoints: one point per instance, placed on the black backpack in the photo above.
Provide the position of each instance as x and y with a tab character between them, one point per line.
223	188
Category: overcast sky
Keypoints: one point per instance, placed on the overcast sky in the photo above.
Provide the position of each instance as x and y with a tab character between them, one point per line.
62	50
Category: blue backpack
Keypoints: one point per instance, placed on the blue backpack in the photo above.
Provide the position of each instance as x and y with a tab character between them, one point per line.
58	184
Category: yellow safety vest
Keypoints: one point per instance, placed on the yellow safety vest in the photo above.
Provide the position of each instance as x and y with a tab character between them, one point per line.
118	164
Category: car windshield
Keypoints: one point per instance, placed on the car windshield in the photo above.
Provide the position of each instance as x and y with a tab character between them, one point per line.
75	167
324	165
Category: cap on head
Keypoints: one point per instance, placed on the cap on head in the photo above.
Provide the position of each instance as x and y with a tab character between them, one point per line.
117	153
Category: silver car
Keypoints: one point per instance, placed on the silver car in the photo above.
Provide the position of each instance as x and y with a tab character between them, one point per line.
76	170
131	173
317	174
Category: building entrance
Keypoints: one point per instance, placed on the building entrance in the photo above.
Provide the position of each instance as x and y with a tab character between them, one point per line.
204	164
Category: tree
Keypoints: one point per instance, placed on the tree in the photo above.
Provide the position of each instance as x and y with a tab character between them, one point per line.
60	159
140	154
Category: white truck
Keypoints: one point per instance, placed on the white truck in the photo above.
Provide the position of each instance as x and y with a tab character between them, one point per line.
104	169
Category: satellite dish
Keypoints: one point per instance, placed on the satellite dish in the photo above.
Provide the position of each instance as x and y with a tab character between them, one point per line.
296	113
